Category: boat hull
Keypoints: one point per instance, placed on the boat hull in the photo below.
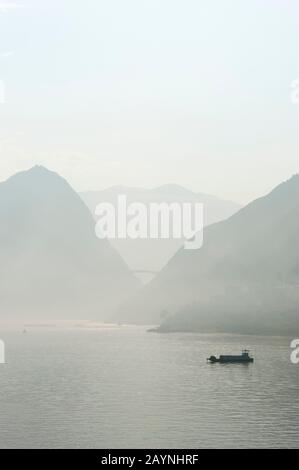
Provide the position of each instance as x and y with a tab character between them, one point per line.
225	361
231	359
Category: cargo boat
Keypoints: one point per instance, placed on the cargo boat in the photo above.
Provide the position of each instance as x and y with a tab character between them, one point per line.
243	357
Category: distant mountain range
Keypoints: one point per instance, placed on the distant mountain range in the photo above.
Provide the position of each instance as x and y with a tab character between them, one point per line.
51	263
245	278
152	254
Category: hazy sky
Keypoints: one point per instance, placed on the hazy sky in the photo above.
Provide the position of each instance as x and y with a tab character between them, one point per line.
147	92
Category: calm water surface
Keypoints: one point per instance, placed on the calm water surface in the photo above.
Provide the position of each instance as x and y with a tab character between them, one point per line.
123	387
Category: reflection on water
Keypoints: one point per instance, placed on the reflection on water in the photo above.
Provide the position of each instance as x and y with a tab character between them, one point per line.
123	387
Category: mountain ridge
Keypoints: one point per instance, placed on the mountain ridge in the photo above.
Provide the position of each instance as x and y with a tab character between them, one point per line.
50	256
244	260
148	254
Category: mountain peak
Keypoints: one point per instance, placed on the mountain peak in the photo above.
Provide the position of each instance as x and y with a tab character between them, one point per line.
173	188
38	171
50	255
38	177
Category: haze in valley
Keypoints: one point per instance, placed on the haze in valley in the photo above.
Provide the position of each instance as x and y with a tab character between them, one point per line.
163	102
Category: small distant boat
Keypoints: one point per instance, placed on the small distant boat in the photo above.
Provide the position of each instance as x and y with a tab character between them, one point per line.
243	357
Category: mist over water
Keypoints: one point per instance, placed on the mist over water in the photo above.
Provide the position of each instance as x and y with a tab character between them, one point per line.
121	387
